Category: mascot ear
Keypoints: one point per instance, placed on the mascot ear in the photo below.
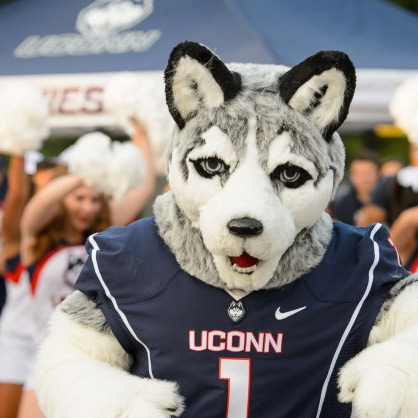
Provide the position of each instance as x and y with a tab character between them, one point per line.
321	87
196	78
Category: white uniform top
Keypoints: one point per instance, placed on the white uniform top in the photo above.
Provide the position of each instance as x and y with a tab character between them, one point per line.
31	299
53	279
17	330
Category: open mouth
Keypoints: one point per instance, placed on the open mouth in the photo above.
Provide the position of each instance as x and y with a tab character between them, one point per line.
244	263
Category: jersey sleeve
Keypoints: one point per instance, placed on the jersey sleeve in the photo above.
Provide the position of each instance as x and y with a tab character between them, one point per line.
385	273
125	265
103	262
389	266
105	266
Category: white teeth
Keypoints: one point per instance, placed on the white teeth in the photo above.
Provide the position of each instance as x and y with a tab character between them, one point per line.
244	269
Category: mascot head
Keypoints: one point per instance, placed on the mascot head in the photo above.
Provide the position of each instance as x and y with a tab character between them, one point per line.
253	163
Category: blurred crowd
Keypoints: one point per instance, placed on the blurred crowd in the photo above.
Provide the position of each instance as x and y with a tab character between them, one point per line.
48	209
384	191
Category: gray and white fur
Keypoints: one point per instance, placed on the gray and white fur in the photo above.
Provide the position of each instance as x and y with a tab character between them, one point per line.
253	164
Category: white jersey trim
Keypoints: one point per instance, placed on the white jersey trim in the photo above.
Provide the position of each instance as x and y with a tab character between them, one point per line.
115	304
352	320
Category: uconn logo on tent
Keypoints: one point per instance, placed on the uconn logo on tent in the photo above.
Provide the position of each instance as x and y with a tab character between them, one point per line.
236	341
101	25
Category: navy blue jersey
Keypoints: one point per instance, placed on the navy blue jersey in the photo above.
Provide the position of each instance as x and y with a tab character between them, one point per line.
13	269
12	273
279	360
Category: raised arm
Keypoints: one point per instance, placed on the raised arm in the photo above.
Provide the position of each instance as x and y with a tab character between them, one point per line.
42	208
17	196
369	214
404	232
127	208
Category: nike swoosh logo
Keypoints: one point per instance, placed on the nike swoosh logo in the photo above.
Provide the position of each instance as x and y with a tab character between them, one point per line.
284	315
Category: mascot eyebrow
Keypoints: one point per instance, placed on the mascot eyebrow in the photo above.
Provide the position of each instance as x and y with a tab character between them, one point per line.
241	297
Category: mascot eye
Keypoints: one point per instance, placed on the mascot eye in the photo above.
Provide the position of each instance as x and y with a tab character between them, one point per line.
210	167
290	175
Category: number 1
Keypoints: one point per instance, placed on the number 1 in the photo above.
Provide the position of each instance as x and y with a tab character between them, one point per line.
238	373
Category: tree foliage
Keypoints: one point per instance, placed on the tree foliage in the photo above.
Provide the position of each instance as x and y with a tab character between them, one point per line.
411	5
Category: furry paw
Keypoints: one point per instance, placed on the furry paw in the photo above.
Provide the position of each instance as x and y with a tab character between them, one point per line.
156	399
379	384
378	393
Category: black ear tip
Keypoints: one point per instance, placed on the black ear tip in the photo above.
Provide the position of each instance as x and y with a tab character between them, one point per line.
202	56
316	65
338	59
189	48
184	46
332	55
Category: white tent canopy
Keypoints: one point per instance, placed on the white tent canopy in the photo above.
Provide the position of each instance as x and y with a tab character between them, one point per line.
71	48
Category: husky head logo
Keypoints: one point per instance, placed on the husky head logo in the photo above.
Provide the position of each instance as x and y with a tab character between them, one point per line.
105	17
73	266
255	159
236	311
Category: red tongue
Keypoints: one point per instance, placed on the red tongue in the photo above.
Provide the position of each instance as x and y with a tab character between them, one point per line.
244	260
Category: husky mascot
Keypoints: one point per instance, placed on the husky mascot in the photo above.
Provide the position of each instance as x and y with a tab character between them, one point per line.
240	298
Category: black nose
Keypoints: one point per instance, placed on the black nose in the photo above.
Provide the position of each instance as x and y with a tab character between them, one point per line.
245	227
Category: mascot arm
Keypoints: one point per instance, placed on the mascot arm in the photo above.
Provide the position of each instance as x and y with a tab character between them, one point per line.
82	371
382	381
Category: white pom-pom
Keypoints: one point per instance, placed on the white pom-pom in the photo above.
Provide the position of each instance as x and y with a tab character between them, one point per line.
127	170
408	177
121	98
65	156
113	168
130	95
24	113
91	158
404	107
32	158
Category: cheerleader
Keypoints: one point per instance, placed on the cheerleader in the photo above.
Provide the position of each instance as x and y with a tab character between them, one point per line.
59	218
23	128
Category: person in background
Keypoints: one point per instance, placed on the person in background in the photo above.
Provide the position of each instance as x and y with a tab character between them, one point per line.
390	166
404	233
23	127
381	206
54	227
363	176
385	205
26	175
15	324
403	209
